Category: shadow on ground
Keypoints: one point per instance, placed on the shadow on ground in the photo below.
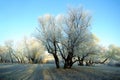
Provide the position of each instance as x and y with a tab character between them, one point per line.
49	72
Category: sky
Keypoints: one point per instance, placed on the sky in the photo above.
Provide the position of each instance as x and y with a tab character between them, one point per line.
19	18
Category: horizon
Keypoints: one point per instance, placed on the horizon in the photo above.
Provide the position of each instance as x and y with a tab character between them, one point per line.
20	18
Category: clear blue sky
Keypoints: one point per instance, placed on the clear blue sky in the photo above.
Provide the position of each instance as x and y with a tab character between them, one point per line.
18	18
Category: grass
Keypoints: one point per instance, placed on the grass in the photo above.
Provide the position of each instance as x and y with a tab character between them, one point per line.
49	72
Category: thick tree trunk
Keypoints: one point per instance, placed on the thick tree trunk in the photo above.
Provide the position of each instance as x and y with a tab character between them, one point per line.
55	55
56	60
68	62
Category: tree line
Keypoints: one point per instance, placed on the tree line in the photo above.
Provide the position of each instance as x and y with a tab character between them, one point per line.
26	51
67	36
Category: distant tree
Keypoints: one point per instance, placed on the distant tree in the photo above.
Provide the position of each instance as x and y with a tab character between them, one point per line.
33	50
3	54
113	53
9	45
20	52
100	56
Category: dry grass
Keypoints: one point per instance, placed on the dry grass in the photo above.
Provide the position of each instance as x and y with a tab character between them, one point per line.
49	72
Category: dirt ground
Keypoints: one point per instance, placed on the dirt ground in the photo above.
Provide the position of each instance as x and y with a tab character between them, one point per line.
49	72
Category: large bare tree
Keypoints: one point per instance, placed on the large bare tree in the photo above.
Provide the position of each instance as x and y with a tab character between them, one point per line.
64	36
75	30
49	33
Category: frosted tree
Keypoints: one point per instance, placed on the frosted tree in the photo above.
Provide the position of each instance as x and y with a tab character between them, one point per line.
49	33
113	53
65	35
75	28
33	50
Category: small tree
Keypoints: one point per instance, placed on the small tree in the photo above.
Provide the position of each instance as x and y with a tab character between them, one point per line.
3	54
9	45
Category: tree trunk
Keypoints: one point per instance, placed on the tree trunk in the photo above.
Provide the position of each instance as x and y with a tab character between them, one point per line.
56	60
16	58
80	61
89	63
68	62
1	60
55	55
34	61
11	57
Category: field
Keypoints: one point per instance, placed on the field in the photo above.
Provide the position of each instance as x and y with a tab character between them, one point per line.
49	72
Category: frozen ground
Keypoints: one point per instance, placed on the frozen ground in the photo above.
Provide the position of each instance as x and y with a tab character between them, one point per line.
49	72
